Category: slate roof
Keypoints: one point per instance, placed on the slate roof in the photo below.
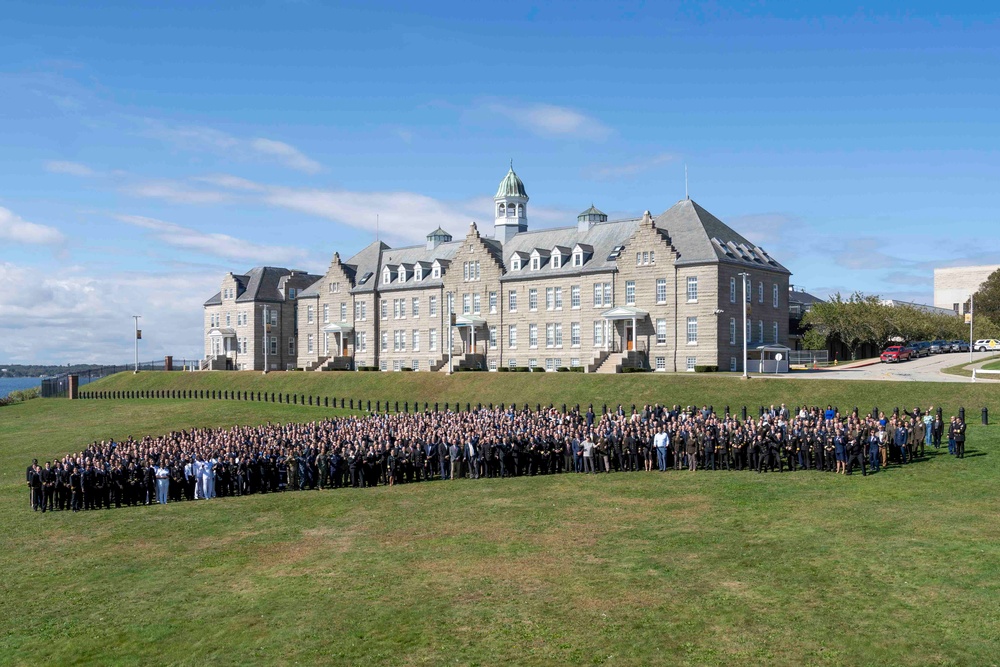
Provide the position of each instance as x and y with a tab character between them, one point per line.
412	255
264	283
602	237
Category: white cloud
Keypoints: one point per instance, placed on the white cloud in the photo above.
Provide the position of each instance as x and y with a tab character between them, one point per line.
15	229
70	168
218	245
70	315
289	155
549	120
173	191
231	182
195	138
608	172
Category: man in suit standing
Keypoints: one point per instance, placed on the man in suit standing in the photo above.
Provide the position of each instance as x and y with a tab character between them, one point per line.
960	438
900	441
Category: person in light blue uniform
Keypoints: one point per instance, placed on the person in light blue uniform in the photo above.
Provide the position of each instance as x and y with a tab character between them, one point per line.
162	483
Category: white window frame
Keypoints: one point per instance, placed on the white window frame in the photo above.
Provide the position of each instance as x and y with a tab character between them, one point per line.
629	292
692	289
574	297
574	334
661	331
532	336
432	339
692	331
512	336
661	291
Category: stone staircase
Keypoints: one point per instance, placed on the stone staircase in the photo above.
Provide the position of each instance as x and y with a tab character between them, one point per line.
471	361
317	364
336	364
598	360
616	361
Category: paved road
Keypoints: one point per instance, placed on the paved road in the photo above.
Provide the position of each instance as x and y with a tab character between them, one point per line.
927	369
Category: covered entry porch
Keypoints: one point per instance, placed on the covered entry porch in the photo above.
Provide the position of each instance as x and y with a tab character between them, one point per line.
225	350
621	326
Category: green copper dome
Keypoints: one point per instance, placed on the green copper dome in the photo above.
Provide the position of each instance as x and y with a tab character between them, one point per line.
511	185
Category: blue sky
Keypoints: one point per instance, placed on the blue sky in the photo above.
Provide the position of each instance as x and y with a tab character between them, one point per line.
148	148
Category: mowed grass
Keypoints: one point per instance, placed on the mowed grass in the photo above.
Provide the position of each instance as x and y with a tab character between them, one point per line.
623	569
717	390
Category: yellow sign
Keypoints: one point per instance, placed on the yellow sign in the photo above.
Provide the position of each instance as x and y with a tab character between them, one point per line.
968	318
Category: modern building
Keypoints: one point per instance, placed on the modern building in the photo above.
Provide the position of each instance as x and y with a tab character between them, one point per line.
954	285
922	307
661	292
252	317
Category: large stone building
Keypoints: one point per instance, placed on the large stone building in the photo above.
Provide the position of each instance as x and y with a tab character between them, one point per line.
254	316
954	285
655	291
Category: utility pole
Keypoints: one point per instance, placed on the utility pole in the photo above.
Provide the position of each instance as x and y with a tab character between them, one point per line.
743	298
451	320
972	316
138	334
267	341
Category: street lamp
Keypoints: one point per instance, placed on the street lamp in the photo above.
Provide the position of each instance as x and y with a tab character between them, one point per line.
138	335
267	343
744	300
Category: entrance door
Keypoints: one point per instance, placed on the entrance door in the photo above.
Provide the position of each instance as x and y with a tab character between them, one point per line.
343	340
629	336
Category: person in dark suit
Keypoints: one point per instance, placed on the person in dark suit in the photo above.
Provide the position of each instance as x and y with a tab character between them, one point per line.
28	474
960	438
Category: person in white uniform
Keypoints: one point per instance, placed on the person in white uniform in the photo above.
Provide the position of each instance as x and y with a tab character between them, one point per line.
162	484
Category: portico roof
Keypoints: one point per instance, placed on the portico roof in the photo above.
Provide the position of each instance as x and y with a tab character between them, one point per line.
342	327
624	313
469	321
222	332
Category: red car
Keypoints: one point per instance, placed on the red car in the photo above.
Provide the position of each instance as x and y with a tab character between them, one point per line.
895	353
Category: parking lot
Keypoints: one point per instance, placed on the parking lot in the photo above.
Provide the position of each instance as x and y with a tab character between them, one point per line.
926	369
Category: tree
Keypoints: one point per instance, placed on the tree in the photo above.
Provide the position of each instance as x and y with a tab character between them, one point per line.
987	299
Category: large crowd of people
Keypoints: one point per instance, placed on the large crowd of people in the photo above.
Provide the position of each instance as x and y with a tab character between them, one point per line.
389	449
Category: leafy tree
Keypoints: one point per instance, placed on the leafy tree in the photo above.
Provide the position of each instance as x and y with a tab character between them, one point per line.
986	301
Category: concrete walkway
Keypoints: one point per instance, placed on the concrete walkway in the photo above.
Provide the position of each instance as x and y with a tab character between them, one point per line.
927	369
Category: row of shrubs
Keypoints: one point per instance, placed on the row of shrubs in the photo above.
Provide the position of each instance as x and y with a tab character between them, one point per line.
20	396
538	369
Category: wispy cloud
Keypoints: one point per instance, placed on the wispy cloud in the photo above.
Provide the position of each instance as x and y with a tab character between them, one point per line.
70	168
15	229
629	169
197	138
219	245
173	191
549	120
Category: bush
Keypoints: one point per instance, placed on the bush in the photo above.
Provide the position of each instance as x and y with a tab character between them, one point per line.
503	369
406	368
368	368
575	369
537	369
562	369
521	369
20	396
635	369
706	369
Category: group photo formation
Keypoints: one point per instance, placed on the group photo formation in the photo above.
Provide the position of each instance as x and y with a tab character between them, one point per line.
390	449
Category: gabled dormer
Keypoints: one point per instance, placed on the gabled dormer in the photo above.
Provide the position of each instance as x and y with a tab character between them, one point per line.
422	270
539	257
438	268
582	252
388	273
559	256
403	272
519	260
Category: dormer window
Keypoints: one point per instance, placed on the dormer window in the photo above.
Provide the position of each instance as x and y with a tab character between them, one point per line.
536	263
402	274
386	275
292	292
516	264
435	270
418	273
556	261
577	259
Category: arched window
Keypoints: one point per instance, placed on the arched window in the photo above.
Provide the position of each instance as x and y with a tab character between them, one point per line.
520	210
501	211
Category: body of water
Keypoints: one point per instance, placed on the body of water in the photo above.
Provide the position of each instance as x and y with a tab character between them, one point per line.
8	385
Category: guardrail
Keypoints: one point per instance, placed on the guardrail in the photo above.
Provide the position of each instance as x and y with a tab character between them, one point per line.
979	371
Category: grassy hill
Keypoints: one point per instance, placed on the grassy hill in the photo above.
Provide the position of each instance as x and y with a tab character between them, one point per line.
624	569
573	388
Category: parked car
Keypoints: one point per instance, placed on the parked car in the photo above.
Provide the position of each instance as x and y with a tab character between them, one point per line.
914	352
895	353
984	344
959	346
939	346
923	348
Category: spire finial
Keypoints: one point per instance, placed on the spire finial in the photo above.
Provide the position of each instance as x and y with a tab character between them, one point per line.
512	164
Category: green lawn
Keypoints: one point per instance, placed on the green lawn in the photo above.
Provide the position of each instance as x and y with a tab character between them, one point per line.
992	366
902	568
576	388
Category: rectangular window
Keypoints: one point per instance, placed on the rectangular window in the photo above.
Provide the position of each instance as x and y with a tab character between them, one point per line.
652	257
749	329
608	301
416	365
363	311
326	313
550	301
574	363
535	263
749	290
229	319
466	304
512	301
692	330
550	364
395	309
432	306
559	298
732	364
493	338
556	261
574	334
432	340
598	295
638	258
532	363
415	306
396	366
532	335
629	292
732	331
774	331
465	271
550	335
559	335
343	312
760	330
598	333
362	341
691	362
383	365
732	290
385	309
692	289
574	296
476	303
661	290
402	309
774	295
493	302
274	344
512	336
309	344
645	257
578	259
415	340
512	363
661	363
492	364
661	332
760	292
532	299
385	341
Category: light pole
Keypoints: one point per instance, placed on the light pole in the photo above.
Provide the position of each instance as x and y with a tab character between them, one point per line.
971	317
267	343
137	335
744	300
451	320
